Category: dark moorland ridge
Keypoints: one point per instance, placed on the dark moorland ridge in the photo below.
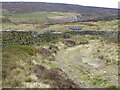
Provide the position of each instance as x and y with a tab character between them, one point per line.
29	7
87	13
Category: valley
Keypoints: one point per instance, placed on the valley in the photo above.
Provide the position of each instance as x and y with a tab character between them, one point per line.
50	45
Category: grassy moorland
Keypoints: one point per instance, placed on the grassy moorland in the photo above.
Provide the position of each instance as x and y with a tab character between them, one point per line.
36	17
38	21
100	25
91	61
32	21
104	25
72	62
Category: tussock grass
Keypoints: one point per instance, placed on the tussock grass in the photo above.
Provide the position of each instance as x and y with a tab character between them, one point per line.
17	65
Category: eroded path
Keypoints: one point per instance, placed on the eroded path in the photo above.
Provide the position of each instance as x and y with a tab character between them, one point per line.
87	64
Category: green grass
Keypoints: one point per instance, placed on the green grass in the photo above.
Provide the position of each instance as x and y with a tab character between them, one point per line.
20	49
50	64
113	87
98	81
81	69
33	18
47	63
36	14
36	17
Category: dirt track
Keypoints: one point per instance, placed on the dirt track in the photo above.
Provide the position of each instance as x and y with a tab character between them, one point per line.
81	65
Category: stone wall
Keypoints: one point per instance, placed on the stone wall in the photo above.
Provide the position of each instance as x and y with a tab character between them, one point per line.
26	37
76	28
108	34
30	37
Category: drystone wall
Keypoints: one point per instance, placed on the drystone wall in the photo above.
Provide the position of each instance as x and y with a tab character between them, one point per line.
108	34
26	37
31	37
76	28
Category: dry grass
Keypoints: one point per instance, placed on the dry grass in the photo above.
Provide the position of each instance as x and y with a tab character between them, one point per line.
17	65
81	23
104	25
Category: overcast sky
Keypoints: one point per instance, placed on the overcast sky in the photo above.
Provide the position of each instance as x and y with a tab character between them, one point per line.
98	3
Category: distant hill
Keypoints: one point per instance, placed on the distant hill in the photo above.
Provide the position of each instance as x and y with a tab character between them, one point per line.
87	12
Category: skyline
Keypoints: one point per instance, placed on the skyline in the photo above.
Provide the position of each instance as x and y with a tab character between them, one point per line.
96	3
